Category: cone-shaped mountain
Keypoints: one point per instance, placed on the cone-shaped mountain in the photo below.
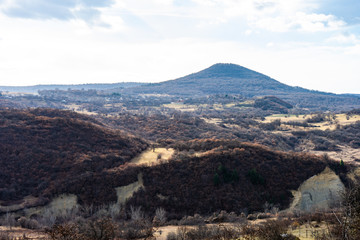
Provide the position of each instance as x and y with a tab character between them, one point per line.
221	78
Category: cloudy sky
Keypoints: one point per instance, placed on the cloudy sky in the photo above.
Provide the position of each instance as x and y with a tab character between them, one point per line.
309	43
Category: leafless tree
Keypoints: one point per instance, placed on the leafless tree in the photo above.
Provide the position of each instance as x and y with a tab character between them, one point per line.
136	213
160	216
347	221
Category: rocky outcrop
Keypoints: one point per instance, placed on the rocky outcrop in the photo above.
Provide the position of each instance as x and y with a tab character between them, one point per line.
125	192
318	192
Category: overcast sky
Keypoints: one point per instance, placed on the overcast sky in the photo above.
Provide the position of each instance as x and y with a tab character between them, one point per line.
309	43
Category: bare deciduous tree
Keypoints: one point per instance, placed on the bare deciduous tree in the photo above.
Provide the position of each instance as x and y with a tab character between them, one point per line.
136	213
160	216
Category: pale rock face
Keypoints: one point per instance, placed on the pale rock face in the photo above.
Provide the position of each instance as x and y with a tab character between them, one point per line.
64	204
126	192
318	192
59	206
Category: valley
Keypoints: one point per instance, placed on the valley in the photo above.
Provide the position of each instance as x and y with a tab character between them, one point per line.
223	145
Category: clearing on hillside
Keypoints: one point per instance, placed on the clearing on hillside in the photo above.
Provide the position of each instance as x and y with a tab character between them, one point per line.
330	122
153	156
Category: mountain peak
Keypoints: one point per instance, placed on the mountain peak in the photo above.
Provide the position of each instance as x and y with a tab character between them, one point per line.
223	70
226	66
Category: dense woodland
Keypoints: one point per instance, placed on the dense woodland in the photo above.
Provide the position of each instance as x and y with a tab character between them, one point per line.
40	148
228	174
48	152
232	174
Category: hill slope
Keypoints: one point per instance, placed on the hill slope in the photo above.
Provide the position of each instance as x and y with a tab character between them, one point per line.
223	175
220	79
43	148
45	153
227	175
234	79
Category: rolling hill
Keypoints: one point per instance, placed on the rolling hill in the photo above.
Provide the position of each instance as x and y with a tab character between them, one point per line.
43	148
46	153
225	175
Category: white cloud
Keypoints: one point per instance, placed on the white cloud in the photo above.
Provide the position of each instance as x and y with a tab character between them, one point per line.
87	10
344	38
283	17
353	51
248	32
154	40
271	15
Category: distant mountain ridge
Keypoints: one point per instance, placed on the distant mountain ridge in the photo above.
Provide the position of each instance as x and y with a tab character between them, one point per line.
220	78
226	78
88	86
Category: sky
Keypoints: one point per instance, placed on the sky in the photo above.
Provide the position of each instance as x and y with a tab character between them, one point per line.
309	43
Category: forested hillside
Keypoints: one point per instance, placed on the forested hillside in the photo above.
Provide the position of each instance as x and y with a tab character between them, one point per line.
41	148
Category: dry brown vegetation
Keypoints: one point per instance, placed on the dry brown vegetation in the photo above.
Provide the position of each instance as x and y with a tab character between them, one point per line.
230	174
206	165
42	149
68	153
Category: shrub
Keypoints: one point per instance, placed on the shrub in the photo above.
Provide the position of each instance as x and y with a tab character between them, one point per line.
316	118
28	223
101	229
347	222
5	236
8	220
160	217
274	230
248	232
204	232
64	232
192	220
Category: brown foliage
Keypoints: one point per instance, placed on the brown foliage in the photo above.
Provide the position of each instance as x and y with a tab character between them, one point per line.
42	148
189	187
101	229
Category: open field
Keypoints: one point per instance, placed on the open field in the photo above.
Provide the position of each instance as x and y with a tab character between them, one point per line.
182	107
346	153
340	119
217	106
79	109
212	120
155	156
